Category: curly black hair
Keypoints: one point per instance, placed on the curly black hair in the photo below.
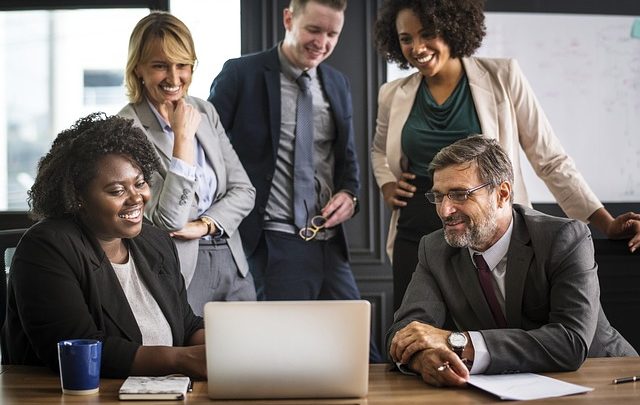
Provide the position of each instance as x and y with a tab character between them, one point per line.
71	164
460	23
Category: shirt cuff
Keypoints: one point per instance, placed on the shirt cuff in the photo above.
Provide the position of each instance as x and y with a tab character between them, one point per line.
219	229
404	369
354	198
481	358
182	168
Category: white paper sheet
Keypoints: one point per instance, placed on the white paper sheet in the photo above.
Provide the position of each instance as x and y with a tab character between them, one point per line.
525	386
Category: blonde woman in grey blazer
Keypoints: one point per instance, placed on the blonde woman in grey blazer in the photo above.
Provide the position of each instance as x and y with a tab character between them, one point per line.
201	192
451	96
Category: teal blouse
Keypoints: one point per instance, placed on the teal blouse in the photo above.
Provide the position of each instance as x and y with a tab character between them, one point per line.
430	126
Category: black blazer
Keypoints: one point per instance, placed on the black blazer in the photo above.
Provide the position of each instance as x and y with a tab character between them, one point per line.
62	286
246	94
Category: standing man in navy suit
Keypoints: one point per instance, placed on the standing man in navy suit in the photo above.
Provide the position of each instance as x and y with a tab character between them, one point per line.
257	97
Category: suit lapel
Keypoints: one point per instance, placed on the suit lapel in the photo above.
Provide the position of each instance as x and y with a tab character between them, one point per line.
113	301
109	290
150	270
470	286
272	83
161	141
483	98
401	105
519	257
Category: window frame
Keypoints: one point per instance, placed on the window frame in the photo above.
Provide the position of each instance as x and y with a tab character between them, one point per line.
15	5
11	218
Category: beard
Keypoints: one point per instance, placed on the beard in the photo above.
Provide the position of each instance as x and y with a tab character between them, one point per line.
475	234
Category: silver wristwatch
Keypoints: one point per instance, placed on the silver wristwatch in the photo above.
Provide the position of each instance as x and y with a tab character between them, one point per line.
457	342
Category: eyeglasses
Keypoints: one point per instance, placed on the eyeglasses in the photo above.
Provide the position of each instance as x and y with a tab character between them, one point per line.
454	195
310	231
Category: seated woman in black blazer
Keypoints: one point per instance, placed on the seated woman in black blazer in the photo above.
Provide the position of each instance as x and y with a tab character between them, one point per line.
92	269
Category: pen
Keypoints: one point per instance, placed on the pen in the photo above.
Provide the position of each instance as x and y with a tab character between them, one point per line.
626	379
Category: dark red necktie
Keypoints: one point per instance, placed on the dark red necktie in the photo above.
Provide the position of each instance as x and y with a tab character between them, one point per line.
486	282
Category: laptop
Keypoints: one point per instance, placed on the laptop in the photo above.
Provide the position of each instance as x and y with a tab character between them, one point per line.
287	349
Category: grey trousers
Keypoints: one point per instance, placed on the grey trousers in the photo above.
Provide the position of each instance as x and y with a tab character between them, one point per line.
217	278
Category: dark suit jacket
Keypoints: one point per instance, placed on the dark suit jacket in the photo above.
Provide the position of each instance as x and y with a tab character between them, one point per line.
552	297
62	286
246	95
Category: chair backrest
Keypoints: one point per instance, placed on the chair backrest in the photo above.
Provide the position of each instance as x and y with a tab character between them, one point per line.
619	286
9	239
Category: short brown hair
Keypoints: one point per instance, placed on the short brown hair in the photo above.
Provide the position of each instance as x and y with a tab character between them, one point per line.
297	5
494	166
177	44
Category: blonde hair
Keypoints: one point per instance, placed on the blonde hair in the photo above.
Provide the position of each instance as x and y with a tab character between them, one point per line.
175	41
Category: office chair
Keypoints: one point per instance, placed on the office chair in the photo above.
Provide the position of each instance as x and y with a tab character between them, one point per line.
9	239
619	286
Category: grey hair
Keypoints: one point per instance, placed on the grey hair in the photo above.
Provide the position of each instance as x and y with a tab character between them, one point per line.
494	166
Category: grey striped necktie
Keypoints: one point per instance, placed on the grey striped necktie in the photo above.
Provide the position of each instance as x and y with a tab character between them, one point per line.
304	192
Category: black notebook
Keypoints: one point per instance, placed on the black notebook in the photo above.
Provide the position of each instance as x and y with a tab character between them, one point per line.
154	388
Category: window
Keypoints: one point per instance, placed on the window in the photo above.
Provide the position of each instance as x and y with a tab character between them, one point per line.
59	65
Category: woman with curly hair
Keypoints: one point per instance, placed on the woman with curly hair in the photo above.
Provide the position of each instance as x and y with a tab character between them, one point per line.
91	268
451	96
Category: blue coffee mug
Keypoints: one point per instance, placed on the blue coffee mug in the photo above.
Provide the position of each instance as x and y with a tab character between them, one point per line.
79	361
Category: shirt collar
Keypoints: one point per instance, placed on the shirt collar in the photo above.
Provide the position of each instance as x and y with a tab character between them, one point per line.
164	124
290	70
498	250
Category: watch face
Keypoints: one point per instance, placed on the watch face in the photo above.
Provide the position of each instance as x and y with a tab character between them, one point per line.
457	339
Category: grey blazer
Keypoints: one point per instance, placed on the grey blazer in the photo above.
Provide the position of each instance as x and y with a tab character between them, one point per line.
174	200
552	297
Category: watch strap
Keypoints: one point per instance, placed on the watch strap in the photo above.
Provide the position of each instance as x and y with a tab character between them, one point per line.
208	223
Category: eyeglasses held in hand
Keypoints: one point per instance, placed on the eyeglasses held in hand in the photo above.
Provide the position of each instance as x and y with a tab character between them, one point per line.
454	195
310	231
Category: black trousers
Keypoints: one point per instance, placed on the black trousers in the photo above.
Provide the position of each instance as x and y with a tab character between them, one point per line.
417	219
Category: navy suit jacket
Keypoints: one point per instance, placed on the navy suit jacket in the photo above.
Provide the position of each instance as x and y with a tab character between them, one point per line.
246	95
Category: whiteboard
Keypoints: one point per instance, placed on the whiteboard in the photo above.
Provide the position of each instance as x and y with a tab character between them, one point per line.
585	71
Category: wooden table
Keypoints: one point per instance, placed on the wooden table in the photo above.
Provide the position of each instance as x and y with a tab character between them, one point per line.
35	385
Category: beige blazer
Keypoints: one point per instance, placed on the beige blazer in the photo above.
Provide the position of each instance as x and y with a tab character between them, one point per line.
509	112
174	198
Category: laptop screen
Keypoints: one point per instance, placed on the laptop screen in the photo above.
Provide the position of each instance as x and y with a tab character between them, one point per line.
287	349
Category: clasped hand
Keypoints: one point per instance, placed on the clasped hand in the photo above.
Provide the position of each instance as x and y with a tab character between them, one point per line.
394	193
192	230
184	120
340	208
425	350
